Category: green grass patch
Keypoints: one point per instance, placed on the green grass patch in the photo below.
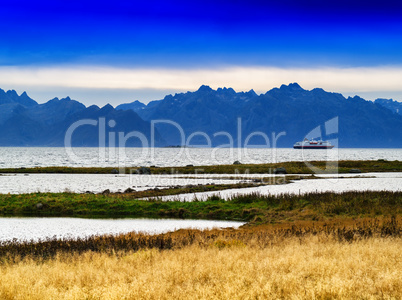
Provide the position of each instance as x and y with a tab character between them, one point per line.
253	207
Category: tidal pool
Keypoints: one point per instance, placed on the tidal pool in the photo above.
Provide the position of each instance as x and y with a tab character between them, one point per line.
362	182
96	183
27	229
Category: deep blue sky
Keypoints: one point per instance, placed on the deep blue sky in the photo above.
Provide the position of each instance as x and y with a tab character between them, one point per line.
191	33
207	34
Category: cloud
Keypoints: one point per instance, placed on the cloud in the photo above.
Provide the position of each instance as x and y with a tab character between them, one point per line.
261	79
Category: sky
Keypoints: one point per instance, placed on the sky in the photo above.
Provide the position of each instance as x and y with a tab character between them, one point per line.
120	51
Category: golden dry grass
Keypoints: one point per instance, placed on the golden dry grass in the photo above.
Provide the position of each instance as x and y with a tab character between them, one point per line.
314	267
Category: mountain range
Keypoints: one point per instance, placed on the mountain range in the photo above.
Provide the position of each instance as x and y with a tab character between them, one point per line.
289	109
391	104
222	116
24	122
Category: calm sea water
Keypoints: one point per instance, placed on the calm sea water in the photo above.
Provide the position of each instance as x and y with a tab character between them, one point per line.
11	157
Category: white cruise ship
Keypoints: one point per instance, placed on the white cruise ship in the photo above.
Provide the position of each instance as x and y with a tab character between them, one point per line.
312	144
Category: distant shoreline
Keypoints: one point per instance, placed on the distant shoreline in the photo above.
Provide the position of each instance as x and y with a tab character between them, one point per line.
293	167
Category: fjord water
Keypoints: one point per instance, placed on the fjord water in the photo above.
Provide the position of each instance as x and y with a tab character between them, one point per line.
26	229
16	157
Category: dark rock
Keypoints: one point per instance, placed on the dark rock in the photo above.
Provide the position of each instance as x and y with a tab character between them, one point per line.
106	192
237	162
355	171
190	166
88	192
144	171
129	190
181	213
280	170
114	171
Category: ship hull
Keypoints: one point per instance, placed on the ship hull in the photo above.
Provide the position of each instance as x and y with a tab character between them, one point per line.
313	147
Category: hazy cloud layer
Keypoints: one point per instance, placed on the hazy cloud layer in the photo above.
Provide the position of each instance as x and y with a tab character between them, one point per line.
377	81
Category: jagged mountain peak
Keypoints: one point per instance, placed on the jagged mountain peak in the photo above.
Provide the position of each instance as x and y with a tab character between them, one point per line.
226	91
135	106
390	104
11	96
107	108
205	88
383	100
251	93
355	98
292	86
93	108
12	93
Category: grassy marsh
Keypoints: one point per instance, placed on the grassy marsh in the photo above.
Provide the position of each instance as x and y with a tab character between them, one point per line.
319	245
251	207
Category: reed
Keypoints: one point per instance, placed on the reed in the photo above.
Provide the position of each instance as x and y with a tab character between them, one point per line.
253	236
218	265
